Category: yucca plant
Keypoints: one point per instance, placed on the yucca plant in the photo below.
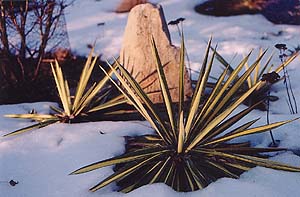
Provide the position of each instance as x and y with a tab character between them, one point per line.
191	147
86	100
262	72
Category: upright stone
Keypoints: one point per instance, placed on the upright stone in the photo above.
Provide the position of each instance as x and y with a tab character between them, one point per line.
127	5
136	55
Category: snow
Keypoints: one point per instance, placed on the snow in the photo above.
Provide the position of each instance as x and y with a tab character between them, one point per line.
42	159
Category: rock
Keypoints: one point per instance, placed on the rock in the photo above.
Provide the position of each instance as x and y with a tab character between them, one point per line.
283	12
229	8
276	11
62	54
136	54
127	5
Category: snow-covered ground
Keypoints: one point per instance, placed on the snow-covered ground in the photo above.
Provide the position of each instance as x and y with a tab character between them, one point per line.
42	159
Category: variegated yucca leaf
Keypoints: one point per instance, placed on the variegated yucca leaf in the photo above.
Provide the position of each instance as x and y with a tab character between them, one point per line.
192	146
262	90
39	125
259	70
85	101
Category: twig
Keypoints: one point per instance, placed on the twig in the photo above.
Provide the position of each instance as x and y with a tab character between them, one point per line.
268	118
292	92
287	81
176	22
